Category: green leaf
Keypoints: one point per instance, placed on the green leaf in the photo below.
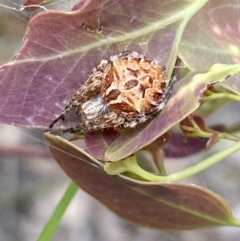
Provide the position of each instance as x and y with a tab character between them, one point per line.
51	226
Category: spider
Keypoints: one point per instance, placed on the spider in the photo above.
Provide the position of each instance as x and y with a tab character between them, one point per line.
123	91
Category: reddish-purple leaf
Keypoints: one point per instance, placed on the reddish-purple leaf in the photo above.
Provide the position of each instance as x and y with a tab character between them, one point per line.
162	206
180	146
62	48
98	142
32	5
212	36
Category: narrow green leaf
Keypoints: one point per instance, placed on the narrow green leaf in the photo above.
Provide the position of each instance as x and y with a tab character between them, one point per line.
52	225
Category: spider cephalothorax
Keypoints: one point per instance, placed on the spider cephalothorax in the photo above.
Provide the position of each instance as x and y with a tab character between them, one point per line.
123	91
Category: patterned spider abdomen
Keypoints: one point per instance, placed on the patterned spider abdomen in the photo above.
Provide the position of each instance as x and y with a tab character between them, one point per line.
132	85
123	91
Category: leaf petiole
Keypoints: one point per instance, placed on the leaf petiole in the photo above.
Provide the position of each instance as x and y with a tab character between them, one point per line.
130	165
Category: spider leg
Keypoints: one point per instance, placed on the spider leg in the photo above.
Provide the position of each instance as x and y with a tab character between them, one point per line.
107	120
60	117
167	94
89	89
133	122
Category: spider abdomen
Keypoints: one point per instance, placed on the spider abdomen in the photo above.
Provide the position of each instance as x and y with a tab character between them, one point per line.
133	85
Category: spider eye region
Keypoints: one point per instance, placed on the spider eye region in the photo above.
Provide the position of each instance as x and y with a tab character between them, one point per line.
133	85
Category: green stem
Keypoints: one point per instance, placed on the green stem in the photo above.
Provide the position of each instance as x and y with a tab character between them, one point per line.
221	135
204	164
196	131
220	96
52	224
130	165
158	158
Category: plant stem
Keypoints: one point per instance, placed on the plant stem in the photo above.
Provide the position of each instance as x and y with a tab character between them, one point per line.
130	165
52	224
220	96
204	164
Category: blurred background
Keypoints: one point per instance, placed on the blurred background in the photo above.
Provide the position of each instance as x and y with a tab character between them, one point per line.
32	183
